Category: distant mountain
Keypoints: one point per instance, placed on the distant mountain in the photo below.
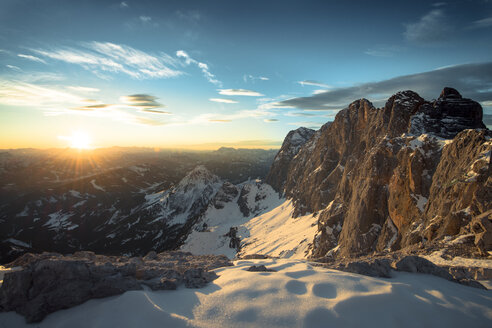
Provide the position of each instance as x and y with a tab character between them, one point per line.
111	201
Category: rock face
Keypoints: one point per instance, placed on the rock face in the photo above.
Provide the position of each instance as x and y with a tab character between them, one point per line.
448	115
383	266
290	147
49	282
386	178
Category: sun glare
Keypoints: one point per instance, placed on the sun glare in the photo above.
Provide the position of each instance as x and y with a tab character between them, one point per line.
78	140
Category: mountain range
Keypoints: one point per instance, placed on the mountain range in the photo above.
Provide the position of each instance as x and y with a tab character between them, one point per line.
375	180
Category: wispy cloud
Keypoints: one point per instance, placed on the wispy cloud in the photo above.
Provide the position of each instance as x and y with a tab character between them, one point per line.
223	100
145	19
100	57
482	23
33	58
472	80
83	89
55	101
430	28
239	92
15	68
203	67
296	114
141	101
31	95
154	111
383	51
95	106
314	83
192	16
219	117
252	78
270	120
219	121
124	4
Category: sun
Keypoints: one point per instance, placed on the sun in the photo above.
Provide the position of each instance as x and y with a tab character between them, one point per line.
79	140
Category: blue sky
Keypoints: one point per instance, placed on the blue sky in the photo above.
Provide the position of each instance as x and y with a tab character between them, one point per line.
206	73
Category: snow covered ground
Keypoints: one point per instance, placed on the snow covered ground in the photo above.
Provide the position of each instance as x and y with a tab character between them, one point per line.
212	240
298	295
277	234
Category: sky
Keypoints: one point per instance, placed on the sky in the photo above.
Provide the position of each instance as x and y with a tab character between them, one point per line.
204	74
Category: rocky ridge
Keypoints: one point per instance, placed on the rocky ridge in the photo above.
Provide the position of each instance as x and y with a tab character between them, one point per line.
387	178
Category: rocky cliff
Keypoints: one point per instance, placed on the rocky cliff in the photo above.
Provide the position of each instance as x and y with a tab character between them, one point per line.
385	178
293	142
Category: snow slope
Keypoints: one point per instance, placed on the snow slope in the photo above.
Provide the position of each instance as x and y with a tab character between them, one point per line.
219	218
298	295
277	233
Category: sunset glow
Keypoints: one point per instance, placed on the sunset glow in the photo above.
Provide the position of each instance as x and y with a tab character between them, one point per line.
196	75
78	140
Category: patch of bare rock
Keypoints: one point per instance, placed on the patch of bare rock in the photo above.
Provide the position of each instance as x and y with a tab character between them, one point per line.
49	282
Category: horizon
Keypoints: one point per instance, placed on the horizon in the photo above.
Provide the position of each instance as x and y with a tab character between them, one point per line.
197	76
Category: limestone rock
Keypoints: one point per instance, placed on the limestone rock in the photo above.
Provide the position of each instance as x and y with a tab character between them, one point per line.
50	282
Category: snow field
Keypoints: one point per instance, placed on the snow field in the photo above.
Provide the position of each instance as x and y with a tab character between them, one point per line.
299	294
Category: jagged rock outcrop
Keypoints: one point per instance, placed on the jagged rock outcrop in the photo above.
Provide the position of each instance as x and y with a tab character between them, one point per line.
49	282
290	147
448	115
383	266
386	178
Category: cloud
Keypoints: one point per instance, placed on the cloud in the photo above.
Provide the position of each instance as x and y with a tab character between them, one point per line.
145	19
482	23
54	102
192	16
296	114
83	89
314	83
270	120
123	4
219	117
250	78
487	119
141	101
239	92
223	100
219	121
91	107
383	51
153	111
148	121
15	68
33	58
104	57
471	80
432	27
18	93
318	91
203	67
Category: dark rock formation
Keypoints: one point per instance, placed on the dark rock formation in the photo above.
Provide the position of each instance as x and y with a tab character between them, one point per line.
235	241
49	282
448	115
290	147
384	178
259	268
383	265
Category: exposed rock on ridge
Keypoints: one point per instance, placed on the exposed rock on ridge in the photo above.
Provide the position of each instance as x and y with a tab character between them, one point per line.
290	147
49	282
387	178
